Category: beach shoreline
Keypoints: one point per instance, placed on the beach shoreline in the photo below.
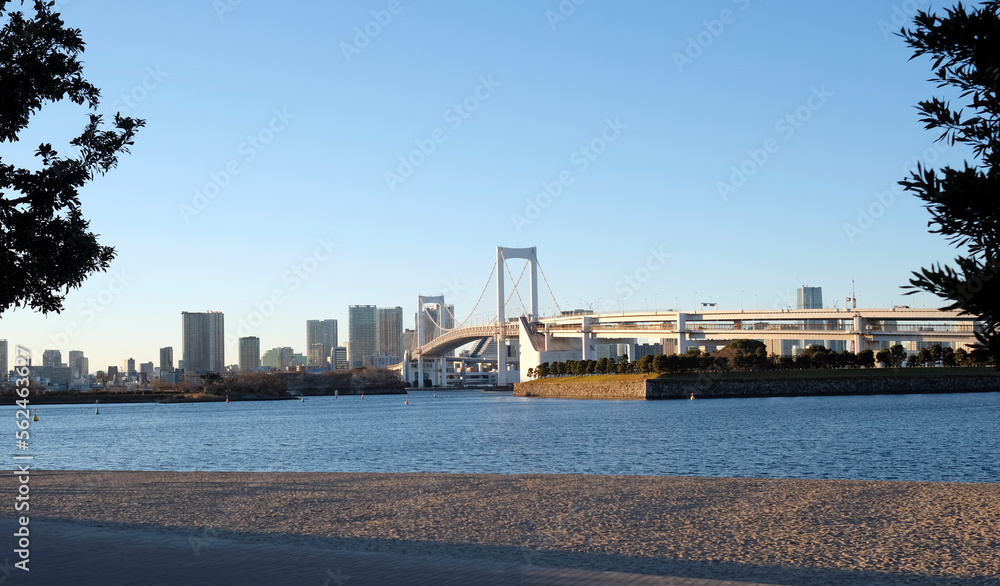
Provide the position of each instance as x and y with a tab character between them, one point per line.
749	529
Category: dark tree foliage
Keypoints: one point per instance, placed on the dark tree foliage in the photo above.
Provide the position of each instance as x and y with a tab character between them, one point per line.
964	46
46	247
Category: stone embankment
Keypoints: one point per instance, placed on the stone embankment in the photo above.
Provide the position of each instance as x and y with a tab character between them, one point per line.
711	385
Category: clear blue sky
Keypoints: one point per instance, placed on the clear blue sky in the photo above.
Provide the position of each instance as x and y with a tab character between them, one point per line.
291	120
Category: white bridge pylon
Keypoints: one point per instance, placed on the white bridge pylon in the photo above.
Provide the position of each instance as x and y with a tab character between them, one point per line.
500	334
421	301
503	253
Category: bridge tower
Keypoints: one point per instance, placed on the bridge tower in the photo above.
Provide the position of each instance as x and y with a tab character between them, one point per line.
421	301
503	253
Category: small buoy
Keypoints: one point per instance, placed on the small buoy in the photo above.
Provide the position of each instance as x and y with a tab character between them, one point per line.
35	418
692	396
97	409
435	395
227	398
302	399
336	393
407	402
362	395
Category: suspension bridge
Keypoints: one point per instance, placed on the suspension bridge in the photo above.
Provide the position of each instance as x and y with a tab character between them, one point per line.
529	339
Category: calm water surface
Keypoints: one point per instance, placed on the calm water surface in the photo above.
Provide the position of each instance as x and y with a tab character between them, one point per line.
911	437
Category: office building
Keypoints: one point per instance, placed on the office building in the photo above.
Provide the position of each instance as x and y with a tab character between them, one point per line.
409	341
78	364
378	361
362	323
130	368
646	350
146	371
56	377
339	358
204	342
315	357
51	358
809	298
390	332
279	358
320	332
74	358
167	359
250	354
4	361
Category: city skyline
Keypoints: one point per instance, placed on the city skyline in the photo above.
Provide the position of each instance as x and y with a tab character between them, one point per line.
783	128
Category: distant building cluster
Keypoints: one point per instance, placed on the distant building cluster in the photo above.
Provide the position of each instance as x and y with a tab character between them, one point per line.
375	339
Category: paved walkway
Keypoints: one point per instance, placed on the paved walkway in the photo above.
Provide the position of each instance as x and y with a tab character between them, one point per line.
67	553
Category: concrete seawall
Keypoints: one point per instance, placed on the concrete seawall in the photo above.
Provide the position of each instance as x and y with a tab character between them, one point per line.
713	386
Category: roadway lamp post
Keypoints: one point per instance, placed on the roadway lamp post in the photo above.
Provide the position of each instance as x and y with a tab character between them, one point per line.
741	300
656	299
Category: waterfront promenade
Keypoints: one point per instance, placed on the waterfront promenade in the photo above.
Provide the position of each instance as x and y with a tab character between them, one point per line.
516	528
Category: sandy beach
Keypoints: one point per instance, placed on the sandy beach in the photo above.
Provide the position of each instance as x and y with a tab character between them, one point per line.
753	530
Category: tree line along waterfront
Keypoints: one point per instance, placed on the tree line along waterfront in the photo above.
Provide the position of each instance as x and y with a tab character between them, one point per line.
751	355
234	386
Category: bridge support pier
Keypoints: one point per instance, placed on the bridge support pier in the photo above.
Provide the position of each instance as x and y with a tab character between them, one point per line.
501	362
588	352
444	372
682	339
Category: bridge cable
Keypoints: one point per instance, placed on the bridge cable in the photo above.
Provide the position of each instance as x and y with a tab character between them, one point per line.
524	270
439	326
521	301
483	292
549	288
517	283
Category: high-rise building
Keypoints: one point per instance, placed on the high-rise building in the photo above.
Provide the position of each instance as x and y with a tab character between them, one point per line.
130	368
390	332
279	358
146	371
314	355
249	354
409	341
809	298
167	359
51	358
4	364
362	320
320	332
339	358
76	367
204	341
